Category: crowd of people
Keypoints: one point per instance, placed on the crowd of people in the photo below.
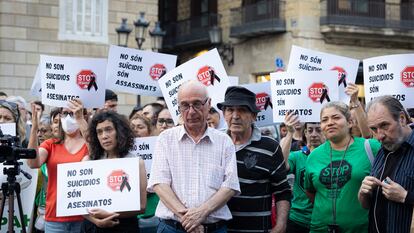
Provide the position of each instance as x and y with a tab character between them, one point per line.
353	170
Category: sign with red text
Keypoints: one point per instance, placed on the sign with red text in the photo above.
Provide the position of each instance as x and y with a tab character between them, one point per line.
136	71
390	75
303	93
263	102
108	184
207	69
302	59
66	78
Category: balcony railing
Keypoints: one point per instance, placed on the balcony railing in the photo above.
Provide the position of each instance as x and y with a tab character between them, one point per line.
368	13
263	17
193	31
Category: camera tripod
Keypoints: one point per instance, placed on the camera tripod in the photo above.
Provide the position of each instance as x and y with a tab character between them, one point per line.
9	190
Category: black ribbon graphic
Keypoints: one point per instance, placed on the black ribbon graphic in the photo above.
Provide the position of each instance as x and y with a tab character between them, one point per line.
325	95
125	183
342	80
92	83
213	76
268	103
162	74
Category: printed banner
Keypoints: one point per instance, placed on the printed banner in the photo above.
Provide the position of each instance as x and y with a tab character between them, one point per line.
144	147
304	93
136	71
27	195
109	184
263	102
66	78
390	75
302	59
207	69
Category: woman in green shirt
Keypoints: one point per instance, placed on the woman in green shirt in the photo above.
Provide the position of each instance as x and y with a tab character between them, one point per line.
334	172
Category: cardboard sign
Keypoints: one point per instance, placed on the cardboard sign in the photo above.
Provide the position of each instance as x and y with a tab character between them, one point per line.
263	102
109	184
36	89
136	71
302	59
304	93
66	78
27	194
143	147
390	75
207	69
8	128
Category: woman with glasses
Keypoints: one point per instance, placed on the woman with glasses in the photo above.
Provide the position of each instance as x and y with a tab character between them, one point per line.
334	172
164	120
141	126
68	147
9	113
110	137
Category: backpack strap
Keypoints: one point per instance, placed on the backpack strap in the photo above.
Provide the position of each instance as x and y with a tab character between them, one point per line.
369	151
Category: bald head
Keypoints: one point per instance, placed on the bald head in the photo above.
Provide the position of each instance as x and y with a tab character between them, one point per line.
191	87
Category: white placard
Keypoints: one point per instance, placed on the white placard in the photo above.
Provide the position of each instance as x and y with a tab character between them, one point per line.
303	93
136	71
234	80
207	69
66	78
263	102
302	59
144	147
27	195
8	128
98	184
390	75
36	89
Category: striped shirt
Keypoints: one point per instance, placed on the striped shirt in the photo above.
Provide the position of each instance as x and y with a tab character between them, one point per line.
262	172
194	170
398	216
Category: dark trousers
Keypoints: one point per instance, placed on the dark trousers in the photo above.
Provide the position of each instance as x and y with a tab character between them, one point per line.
293	227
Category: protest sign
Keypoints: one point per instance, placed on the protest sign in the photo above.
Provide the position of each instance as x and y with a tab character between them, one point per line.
27	195
302	59
144	147
263	102
36	89
207	69
234	80
108	184
390	75
66	78
136	71
304	93
8	128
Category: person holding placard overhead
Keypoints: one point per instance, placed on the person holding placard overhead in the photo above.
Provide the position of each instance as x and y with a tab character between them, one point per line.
194	170
69	147
334	171
110	137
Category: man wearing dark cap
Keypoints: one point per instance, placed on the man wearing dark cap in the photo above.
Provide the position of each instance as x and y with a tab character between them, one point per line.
111	100
260	167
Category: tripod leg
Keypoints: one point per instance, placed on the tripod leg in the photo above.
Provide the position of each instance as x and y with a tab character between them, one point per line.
3	202
10	222
19	203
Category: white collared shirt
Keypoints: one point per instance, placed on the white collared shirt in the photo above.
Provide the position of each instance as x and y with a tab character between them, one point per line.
194	170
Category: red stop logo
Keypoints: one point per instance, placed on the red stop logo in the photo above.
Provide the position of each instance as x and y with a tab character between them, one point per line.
84	78
340	70
315	91
407	76
204	75
157	71
115	179
261	99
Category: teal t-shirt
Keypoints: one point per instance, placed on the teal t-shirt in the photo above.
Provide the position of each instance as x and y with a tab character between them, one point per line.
347	179
301	207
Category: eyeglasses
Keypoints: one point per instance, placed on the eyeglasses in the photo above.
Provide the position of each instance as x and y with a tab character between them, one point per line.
65	114
197	105
169	122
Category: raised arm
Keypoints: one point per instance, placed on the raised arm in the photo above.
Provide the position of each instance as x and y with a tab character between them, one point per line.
356	106
286	142
41	153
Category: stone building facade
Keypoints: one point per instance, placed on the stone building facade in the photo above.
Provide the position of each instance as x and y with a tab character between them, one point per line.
29	28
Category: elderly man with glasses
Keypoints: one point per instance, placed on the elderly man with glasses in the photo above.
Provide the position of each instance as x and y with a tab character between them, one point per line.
194	170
